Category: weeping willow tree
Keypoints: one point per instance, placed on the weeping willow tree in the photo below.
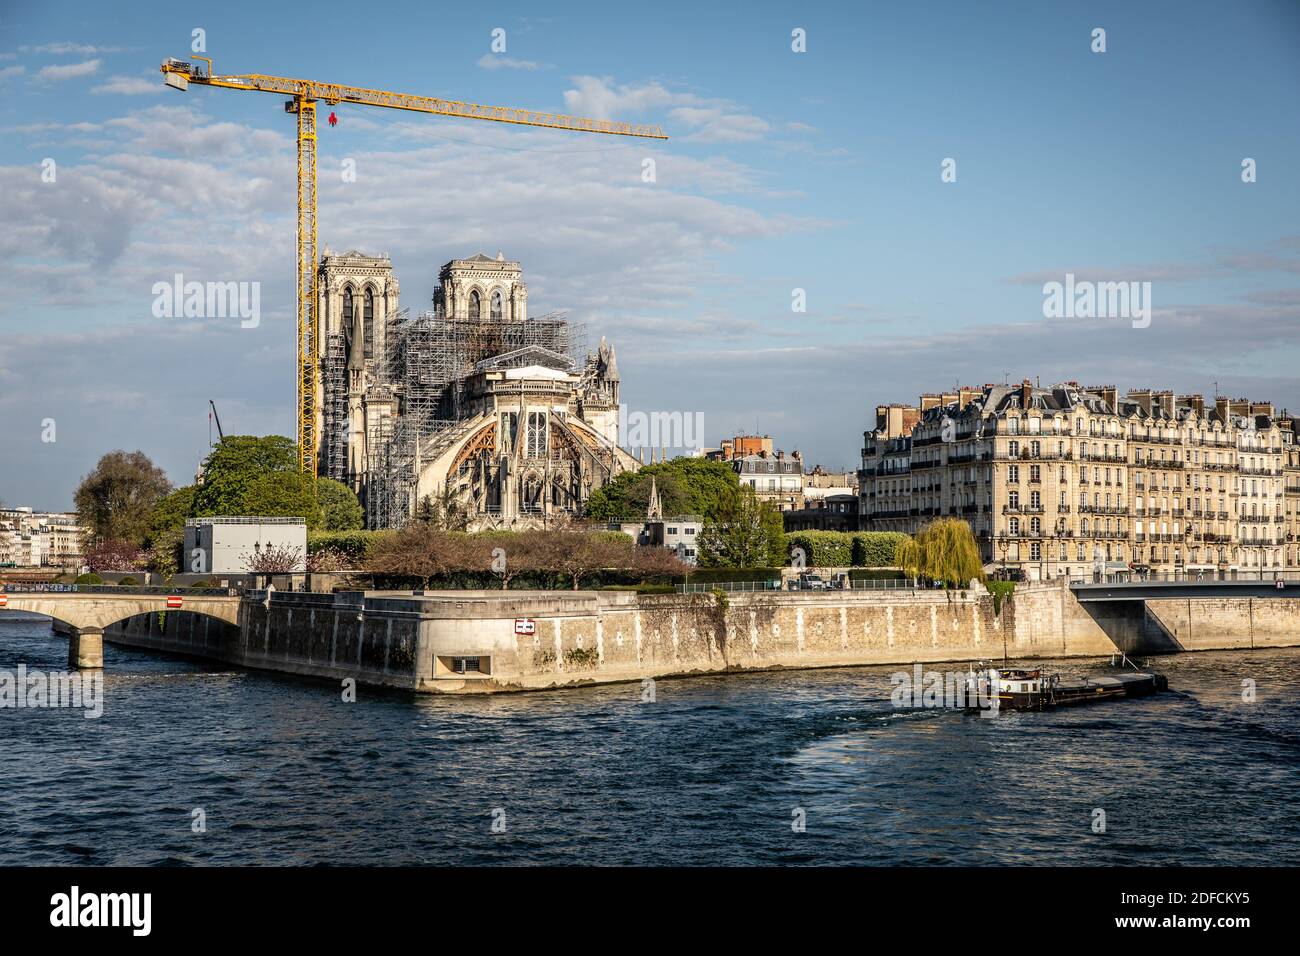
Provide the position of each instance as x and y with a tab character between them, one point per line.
944	550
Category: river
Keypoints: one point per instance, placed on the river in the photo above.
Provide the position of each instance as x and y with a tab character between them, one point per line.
808	768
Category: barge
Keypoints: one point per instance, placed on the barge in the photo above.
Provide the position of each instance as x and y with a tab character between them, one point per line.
1024	689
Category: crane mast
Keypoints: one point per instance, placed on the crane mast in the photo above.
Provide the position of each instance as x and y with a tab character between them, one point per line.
179	74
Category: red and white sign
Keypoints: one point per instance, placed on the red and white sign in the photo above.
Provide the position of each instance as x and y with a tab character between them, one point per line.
525	625
4	600
174	600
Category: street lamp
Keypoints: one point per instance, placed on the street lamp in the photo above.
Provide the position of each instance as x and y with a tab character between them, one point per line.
1004	543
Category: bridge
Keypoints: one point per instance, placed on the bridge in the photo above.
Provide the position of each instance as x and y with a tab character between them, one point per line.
88	609
1157	588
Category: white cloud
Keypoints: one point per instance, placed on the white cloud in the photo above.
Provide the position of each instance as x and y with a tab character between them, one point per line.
129	86
80	49
70	71
713	125
499	61
9	72
706	120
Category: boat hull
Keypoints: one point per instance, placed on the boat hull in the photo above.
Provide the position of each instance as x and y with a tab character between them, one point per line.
1090	691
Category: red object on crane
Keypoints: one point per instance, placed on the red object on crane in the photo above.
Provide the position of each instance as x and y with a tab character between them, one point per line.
334	120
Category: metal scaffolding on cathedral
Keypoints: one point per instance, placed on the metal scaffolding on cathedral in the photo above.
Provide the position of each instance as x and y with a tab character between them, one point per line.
473	405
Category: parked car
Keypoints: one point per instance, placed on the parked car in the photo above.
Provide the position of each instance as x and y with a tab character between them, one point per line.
812	582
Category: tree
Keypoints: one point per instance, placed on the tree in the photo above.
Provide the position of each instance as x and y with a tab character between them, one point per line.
279	494
747	533
686	486
116	500
511	553
444	511
944	550
273	560
340	509
234	464
167	530
422	551
115	555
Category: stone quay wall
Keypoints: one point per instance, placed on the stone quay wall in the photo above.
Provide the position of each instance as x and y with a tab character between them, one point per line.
490	641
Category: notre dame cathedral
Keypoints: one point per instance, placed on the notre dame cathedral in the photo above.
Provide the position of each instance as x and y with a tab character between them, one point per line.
474	406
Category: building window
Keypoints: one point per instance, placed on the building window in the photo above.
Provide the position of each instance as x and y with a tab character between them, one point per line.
496	306
368	317
536	437
475	306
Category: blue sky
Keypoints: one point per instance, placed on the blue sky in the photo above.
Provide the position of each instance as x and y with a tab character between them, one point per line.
816	170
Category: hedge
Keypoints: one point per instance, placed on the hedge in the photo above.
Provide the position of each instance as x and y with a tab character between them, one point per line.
351	544
843	549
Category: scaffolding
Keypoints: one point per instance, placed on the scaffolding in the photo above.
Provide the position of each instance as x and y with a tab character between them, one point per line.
428	362
334	377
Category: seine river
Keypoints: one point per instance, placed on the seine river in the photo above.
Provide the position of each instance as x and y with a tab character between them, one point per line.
714	771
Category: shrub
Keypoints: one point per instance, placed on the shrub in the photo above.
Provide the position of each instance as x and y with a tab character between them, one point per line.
354	546
875	549
822	549
91	578
128	582
1001	590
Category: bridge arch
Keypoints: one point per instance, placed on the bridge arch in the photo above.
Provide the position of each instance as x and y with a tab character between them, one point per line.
89	613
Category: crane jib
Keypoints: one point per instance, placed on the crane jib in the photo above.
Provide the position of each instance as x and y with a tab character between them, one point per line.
178	74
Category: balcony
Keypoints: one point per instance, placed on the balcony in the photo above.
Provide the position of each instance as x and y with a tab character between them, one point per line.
1103	509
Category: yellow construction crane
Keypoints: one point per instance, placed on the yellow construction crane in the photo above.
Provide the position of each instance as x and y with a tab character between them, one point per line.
304	94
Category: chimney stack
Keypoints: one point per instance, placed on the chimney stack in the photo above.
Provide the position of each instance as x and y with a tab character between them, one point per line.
1143	398
1195	401
1165	401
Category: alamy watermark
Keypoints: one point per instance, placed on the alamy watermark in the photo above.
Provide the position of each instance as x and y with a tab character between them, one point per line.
63	689
1098	300
179	299
660	429
960	690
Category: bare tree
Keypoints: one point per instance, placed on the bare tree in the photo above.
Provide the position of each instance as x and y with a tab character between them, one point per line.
273	560
418	551
115	554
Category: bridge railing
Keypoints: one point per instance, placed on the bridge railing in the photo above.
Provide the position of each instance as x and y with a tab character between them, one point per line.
143	591
1189	577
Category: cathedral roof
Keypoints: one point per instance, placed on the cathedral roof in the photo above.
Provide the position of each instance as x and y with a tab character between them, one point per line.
527	356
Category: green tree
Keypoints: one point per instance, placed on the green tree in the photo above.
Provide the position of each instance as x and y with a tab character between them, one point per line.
944	550
115	501
340	509
685	485
234	464
167	530
746	534
170	513
443	511
281	494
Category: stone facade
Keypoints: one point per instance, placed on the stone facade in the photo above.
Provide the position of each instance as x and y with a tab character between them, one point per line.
474	407
1062	480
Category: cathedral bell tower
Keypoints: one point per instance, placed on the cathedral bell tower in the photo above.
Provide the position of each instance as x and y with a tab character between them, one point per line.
357	296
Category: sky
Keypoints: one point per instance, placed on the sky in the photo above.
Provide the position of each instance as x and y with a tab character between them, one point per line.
821	170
